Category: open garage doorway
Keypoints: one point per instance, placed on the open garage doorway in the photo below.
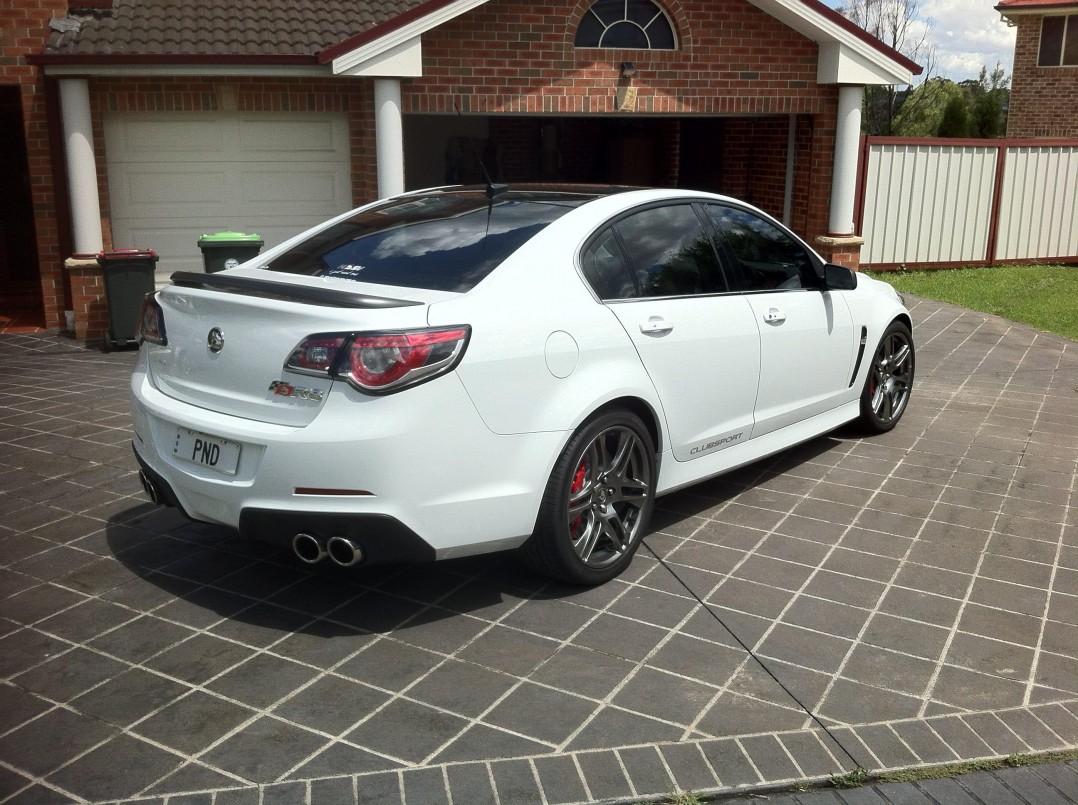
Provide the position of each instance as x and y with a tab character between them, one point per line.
748	158
20	276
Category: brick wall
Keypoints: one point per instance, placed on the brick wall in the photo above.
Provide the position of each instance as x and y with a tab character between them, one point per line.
88	299
23	31
1044	100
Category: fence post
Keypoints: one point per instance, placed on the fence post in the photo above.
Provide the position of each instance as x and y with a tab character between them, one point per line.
859	189
997	204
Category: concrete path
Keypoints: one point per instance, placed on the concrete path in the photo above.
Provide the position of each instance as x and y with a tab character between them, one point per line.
878	603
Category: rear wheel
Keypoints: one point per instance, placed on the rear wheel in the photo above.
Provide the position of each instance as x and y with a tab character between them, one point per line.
597	502
890	380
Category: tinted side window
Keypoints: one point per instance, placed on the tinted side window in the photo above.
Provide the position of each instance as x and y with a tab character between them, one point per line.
605	269
767	257
671	253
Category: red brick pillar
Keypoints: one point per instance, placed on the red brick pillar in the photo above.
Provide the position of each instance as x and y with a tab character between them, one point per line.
842	250
88	297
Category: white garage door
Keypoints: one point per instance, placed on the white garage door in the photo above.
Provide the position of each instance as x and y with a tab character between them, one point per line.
176	176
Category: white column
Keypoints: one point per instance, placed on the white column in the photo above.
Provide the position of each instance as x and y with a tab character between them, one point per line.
81	165
844	178
389	136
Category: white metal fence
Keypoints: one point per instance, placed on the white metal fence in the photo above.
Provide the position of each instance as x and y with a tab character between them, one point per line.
928	202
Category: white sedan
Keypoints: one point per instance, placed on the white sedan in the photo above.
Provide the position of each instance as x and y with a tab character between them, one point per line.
464	370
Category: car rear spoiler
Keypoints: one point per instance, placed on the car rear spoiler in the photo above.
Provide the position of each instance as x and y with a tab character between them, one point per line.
286	291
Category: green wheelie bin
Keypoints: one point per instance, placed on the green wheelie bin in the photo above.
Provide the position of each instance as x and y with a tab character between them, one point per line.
223	250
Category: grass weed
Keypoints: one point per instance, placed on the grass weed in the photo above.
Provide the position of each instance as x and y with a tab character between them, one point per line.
1042	296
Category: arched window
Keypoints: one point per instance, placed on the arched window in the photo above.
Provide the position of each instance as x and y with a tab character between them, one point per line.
635	24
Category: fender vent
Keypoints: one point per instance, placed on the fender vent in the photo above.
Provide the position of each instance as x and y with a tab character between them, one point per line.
860	356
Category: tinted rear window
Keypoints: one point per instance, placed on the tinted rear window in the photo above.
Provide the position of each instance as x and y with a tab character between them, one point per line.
442	242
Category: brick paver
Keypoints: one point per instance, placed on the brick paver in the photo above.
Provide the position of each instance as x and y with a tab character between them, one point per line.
884	603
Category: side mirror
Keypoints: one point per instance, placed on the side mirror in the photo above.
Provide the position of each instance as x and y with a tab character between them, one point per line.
839	278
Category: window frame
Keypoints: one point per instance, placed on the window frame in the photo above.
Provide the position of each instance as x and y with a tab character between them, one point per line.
1066	46
661	12
732	265
722	263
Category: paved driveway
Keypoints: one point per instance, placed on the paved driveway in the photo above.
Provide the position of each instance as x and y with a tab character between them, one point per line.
889	602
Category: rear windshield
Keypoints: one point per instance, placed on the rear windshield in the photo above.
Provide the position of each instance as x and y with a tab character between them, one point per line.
446	241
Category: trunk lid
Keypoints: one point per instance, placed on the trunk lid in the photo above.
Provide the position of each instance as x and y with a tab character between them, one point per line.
230	334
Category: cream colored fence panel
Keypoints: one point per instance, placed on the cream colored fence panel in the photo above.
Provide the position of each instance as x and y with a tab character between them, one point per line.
1038	217
927	202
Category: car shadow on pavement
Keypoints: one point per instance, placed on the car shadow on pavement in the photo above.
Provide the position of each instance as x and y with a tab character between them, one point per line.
202	574
199	574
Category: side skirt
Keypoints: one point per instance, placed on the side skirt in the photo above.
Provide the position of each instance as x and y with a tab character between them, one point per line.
676	475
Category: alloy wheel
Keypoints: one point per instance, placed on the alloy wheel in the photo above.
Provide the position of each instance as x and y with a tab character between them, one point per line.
607	496
891	376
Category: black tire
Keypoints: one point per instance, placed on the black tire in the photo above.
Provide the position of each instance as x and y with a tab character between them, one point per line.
890	380
597	502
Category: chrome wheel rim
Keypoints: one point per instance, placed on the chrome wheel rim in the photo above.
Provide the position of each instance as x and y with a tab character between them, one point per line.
891	377
607	495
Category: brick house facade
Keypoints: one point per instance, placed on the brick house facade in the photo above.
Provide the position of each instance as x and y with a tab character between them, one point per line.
32	207
748	103
1044	88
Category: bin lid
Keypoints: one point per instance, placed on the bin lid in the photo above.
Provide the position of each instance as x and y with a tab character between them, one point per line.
220	238
127	254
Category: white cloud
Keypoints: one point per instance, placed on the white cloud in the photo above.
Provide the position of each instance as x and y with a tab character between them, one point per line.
968	34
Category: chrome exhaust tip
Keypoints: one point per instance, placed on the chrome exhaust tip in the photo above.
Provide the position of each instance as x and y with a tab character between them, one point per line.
309	549
344	552
149	487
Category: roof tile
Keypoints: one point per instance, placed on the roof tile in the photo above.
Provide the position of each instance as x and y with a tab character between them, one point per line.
211	28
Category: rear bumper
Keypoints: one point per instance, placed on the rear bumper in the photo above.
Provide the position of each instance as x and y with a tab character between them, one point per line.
381	539
414	476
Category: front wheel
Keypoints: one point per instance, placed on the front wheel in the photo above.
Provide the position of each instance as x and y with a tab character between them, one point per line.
597	502
890	380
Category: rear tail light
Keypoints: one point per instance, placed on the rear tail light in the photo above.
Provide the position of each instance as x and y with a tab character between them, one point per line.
382	362
317	354
151	321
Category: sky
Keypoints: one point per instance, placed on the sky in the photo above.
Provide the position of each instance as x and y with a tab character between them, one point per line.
968	34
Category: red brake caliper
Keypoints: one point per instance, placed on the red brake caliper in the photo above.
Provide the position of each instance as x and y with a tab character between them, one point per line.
574	487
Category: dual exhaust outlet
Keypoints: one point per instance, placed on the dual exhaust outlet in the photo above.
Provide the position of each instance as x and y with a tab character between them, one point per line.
310	549
340	550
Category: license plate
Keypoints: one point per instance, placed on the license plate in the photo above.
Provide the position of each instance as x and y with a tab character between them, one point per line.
209	451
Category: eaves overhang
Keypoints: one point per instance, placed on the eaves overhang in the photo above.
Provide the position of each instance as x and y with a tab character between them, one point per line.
183	64
1039	8
394	48
848	54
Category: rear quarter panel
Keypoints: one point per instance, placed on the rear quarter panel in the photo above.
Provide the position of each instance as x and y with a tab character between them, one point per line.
544	353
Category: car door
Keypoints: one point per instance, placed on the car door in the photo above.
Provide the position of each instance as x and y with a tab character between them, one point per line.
807	339
659	274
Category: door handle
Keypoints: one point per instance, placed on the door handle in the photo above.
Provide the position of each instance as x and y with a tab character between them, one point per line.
656	325
774	316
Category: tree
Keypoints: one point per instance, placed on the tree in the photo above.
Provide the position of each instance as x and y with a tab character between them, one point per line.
989	94
895	23
956	120
988	116
921	116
